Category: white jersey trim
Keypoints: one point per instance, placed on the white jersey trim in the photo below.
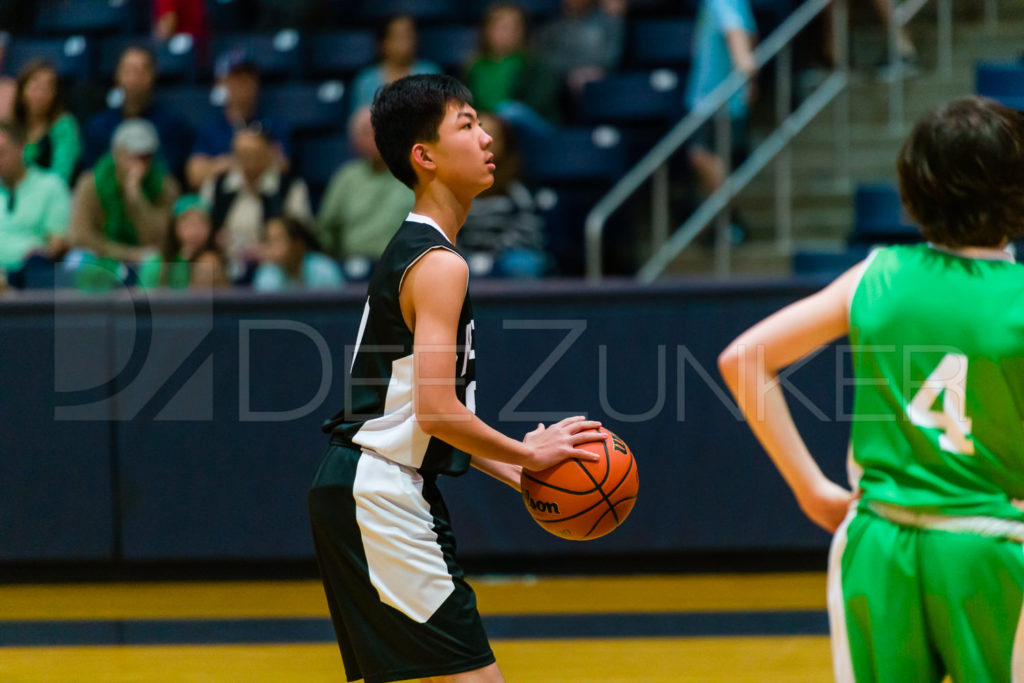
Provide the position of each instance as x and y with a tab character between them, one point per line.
842	661
420	218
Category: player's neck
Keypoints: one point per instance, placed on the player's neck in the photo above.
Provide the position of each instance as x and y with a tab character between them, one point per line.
442	205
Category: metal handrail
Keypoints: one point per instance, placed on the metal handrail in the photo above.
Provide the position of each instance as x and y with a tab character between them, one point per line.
702	112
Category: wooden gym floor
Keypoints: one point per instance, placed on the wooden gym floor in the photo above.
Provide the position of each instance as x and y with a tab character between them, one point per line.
708	628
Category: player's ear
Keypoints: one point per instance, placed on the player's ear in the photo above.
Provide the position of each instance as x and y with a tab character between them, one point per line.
421	157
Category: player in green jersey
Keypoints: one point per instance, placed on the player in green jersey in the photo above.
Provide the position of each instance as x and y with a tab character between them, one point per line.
926	570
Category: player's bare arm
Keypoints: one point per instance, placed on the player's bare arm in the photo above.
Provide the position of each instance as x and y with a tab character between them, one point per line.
431	298
750	365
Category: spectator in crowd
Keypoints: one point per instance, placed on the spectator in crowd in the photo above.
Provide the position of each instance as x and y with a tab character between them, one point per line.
503	235
171	17
396	46
34	205
209	269
8	87
190	234
292	259
135	80
505	77
211	154
253	189
586	42
51	133
364	204
723	40
122	207
905	63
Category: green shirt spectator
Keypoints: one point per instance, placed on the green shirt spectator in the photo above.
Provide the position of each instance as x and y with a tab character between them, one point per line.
191	235
51	134
58	150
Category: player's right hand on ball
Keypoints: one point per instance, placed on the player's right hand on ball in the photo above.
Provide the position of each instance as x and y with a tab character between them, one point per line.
551	445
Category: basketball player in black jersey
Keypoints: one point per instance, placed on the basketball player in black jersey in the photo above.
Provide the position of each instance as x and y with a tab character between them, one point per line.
400	605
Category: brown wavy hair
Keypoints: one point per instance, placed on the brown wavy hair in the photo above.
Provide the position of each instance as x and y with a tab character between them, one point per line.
961	174
24	76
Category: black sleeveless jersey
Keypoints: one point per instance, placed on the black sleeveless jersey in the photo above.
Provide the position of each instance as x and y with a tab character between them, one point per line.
378	416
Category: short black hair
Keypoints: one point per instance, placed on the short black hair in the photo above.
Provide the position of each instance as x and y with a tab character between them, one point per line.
961	173
411	110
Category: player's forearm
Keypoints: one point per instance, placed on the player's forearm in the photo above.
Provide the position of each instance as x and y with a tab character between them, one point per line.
741	50
502	471
456	425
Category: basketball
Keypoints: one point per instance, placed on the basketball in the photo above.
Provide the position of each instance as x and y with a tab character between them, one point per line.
581	500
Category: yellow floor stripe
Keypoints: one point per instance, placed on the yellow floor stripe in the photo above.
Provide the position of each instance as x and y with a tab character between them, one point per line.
790	659
549	595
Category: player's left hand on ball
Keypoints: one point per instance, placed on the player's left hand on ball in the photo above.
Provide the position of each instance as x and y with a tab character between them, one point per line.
551	445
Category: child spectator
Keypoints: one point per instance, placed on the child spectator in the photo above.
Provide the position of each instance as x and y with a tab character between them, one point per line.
191	234
292	259
51	133
34	205
123	206
396	45
505	77
586	42
364	203
209	269
503	235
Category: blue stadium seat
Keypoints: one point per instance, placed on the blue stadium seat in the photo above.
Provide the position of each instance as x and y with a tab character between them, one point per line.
72	56
826	262
633	97
574	155
450	46
660	42
1003	82
63	17
194	103
341	52
879	216
437	11
307	106
278	55
319	156
175	59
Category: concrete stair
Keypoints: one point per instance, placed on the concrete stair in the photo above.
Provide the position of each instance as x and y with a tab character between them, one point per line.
822	206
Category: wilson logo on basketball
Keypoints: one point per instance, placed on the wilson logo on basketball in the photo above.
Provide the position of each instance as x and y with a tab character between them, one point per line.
542	506
619	444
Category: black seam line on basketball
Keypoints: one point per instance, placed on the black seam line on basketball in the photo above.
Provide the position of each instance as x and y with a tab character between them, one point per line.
607	469
617	503
586	510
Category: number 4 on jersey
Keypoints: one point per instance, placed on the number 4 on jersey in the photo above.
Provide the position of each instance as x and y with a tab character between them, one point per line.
948	380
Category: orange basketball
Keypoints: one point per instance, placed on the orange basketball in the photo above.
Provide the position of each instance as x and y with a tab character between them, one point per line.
582	500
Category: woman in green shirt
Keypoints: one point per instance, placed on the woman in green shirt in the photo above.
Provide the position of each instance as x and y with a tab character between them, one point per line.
51	133
191	236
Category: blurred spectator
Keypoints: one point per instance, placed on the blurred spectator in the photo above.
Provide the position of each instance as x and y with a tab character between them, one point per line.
503	235
905	63
135	80
122	207
396	45
191	233
723	40
211	154
586	42
171	17
505	77
364	204
292	259
8	88
52	140
253	189
34	205
209	269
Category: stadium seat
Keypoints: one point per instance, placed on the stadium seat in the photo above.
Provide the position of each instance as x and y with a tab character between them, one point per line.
450	46
341	52
194	103
879	216
633	97
224	15
278	55
1003	82
660	42
827	262
63	17
574	155
307	106
437	11
72	56
319	156
175	59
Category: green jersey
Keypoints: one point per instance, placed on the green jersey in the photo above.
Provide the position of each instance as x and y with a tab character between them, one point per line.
938	360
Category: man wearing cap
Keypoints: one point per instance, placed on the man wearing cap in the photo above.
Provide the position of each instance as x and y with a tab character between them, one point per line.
122	208
135	79
34	205
211	153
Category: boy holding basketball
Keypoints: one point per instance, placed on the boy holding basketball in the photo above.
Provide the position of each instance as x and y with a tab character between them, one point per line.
926	569
400	606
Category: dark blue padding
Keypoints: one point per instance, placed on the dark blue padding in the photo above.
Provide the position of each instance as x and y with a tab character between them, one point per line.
1001	81
276	58
660	42
450	46
83	16
178	64
340	52
191	102
634	97
72	56
827	263
879	215
307	106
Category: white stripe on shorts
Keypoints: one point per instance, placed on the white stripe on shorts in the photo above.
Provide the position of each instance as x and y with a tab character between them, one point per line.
405	561
842	662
